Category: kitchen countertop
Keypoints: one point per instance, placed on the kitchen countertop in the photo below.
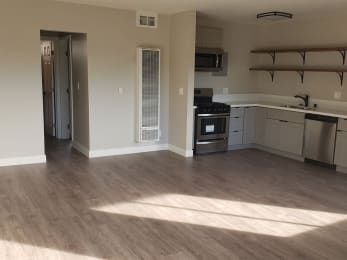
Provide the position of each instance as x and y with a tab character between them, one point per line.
317	111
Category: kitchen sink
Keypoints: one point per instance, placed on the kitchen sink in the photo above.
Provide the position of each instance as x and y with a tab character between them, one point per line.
299	107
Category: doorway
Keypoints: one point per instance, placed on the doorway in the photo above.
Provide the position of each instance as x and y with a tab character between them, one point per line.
56	65
64	61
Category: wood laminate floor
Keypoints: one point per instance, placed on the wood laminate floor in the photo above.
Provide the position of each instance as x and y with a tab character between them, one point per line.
238	205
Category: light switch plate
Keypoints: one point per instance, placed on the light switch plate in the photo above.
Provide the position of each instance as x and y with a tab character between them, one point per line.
181	91
120	91
337	95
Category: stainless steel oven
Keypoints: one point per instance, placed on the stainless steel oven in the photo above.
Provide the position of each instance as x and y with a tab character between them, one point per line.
211	123
212	126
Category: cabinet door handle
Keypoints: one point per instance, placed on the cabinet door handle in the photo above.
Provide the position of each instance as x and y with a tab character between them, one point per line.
235	131
284	121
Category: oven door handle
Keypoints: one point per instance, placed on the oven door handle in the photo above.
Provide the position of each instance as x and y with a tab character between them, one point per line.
211	142
214	115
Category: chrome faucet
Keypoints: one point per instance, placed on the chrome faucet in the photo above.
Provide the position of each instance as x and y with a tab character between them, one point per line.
305	98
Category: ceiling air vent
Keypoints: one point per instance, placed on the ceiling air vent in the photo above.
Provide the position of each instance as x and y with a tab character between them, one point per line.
147	19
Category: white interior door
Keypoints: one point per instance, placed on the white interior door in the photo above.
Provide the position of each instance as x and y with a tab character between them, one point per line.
48	87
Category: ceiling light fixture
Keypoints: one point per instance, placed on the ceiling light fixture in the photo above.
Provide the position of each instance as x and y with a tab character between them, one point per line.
274	16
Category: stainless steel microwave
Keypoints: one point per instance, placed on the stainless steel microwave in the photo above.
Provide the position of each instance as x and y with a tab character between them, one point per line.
209	59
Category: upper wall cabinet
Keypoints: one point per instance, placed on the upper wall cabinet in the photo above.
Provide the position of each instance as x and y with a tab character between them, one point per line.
209	37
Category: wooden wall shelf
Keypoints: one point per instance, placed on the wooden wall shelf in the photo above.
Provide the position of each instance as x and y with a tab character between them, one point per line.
300	70
302	51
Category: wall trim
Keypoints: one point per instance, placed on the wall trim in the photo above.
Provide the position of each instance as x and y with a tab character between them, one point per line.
81	148
240	147
267	149
280	153
127	150
23	160
180	151
341	169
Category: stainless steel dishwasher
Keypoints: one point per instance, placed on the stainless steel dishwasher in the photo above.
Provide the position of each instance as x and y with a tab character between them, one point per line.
320	137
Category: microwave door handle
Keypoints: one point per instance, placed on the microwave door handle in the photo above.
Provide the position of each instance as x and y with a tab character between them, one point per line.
217	63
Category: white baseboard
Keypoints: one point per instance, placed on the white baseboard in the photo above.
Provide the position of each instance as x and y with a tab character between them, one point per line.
180	151
240	147
22	160
81	148
341	169
127	150
269	150
280	153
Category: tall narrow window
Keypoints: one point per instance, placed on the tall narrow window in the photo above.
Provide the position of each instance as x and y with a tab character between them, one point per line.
148	95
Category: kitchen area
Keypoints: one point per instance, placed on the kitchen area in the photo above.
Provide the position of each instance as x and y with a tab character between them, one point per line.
297	126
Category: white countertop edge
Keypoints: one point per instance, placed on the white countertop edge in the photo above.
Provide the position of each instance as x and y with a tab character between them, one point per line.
338	114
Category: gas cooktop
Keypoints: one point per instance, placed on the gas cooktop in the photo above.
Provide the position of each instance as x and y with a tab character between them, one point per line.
212	108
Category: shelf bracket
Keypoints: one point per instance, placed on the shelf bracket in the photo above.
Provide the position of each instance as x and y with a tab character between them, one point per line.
341	75
301	74
272	74
343	54
303	56
273	56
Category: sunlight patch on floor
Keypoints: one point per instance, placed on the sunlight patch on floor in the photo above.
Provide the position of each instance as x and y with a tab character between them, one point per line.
16	250
225	214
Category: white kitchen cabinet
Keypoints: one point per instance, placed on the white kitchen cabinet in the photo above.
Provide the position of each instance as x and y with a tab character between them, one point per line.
273	128
236	125
235	138
342	125
260	125
284	136
249	125
209	37
272	134
294	117
341	149
291	137
237	112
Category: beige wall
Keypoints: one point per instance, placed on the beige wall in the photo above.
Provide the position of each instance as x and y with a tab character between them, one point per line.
20	85
112	40
237	41
112	65
183	28
321	32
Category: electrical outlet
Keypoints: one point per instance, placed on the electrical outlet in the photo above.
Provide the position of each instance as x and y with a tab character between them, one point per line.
337	95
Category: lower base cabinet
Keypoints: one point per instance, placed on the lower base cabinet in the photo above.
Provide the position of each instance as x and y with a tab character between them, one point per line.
284	136
292	137
272	134
235	137
273	128
341	149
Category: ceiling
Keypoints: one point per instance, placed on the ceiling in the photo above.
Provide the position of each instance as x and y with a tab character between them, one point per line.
234	10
